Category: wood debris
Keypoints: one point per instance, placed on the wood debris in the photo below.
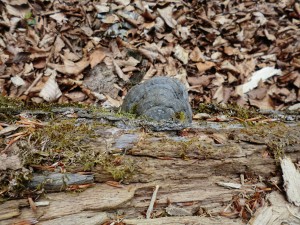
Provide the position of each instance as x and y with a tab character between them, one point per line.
291	177
151	205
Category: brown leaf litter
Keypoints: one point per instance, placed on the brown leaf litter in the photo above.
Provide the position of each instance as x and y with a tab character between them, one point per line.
215	48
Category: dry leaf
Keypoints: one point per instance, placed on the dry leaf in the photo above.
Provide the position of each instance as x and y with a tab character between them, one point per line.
76	96
50	91
226	65
262	74
181	54
167	14
17	81
196	55
69	67
202	67
96	57
120	72
103	8
59	17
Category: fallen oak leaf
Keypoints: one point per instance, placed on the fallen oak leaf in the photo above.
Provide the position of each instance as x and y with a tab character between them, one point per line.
69	67
196	55
202	67
166	14
181	54
96	57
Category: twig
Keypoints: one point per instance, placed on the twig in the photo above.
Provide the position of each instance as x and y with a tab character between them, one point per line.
150	208
34	83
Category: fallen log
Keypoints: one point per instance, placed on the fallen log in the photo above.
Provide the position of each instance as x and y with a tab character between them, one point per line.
188	166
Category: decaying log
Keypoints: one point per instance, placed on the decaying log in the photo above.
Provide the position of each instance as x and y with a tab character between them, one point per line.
279	212
195	220
188	169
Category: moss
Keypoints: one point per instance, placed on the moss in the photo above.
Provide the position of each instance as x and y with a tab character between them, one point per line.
126	115
277	136
180	116
13	183
133	109
119	114
118	166
68	141
10	107
231	110
64	140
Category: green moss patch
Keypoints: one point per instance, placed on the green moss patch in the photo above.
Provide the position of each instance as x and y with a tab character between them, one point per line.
230	110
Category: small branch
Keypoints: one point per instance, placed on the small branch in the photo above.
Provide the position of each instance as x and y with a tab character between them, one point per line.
150	208
33	83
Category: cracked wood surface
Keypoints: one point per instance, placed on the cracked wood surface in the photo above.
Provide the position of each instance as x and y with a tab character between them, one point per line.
186	168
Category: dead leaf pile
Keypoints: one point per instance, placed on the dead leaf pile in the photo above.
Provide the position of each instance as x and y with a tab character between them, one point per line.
223	51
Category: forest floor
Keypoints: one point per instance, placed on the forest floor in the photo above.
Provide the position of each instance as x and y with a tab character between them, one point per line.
228	167
93	51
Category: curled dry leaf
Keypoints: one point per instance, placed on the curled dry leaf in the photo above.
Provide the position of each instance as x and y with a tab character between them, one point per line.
150	55
167	14
96	57
159	25
17	81
59	17
69	67
219	96
122	2
226	65
129	62
150	73
202	67
196	55
181	54
103	8
50	92
76	96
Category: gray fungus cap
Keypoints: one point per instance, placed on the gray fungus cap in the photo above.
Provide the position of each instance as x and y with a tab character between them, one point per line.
160	98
